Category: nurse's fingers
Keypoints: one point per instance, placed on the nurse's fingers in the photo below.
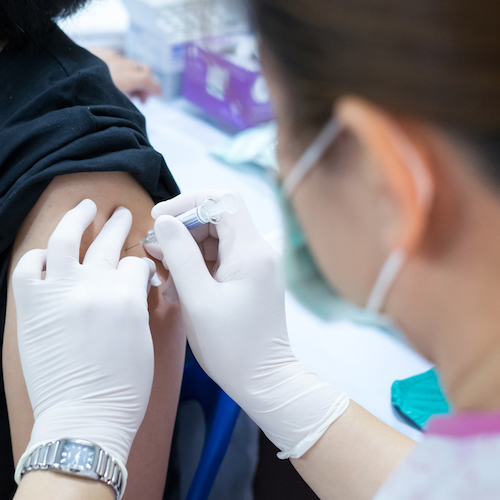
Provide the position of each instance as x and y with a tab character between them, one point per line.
170	292
208	247
30	267
154	250
106	249
184	202
184	260
236	229
139	272
63	248
187	201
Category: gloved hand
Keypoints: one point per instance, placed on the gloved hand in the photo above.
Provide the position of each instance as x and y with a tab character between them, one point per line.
237	327
83	333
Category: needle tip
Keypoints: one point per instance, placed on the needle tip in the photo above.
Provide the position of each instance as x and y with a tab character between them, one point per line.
133	246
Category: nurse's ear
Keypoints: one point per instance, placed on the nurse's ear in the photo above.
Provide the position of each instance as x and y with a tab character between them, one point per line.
401	164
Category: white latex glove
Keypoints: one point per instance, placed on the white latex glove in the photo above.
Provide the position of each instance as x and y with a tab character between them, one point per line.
237	327
83	334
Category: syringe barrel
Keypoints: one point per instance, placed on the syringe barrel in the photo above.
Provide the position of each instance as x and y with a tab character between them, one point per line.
210	211
193	218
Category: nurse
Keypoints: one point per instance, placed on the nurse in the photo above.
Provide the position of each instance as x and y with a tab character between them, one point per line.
389	149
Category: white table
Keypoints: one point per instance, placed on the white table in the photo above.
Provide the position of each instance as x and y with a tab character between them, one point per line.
360	360
101	23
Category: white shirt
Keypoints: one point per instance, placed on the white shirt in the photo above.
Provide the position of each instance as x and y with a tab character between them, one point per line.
459	459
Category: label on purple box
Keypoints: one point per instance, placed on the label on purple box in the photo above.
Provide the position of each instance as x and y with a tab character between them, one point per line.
224	89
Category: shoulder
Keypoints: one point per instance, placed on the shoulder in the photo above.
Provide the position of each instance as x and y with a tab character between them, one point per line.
94	85
69	56
445	468
55	74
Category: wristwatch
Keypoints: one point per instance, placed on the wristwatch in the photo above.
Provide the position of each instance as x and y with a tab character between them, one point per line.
77	457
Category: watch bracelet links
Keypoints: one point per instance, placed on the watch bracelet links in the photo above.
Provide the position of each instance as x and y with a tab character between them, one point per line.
107	469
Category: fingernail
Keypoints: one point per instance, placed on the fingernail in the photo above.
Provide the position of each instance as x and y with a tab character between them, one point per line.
155	280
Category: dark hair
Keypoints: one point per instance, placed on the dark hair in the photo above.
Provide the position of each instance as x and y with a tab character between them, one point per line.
438	60
30	19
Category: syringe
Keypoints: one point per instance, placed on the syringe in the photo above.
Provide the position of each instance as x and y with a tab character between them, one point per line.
210	211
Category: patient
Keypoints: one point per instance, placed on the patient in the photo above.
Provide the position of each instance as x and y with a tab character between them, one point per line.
67	133
132	78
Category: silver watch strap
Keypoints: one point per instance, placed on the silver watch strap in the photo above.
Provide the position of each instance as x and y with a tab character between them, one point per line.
104	468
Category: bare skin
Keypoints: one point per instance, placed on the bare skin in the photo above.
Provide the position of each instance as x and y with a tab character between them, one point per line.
148	459
354	457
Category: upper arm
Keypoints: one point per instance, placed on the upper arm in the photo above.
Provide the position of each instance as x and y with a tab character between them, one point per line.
108	190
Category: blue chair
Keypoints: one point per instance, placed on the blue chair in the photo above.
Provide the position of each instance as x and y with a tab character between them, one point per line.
220	413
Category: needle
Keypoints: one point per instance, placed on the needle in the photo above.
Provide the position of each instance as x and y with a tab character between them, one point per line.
133	246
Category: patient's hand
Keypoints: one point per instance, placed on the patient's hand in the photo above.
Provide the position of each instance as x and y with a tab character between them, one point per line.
132	78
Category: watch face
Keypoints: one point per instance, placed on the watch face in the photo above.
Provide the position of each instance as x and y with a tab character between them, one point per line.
77	456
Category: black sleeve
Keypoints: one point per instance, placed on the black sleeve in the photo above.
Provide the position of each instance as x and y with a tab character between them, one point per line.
92	129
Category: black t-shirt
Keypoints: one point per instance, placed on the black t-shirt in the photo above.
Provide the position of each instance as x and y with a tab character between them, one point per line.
60	114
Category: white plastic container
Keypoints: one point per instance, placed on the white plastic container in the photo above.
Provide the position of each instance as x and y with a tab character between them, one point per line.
160	29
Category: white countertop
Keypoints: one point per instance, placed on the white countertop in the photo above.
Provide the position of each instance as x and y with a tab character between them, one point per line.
102	23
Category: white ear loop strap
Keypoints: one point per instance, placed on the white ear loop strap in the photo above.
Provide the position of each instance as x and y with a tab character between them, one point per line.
385	279
397	258
310	156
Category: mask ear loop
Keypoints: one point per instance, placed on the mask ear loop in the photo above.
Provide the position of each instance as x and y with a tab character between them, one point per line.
394	263
310	156
385	279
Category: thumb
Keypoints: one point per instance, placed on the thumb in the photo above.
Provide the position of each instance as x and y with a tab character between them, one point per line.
182	257
154	250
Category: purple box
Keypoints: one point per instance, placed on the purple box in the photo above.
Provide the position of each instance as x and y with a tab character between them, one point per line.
226	85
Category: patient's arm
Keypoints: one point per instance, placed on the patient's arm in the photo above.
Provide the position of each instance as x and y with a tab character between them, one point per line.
148	459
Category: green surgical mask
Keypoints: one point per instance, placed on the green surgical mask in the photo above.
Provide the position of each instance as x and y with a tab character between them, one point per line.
305	280
303	276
